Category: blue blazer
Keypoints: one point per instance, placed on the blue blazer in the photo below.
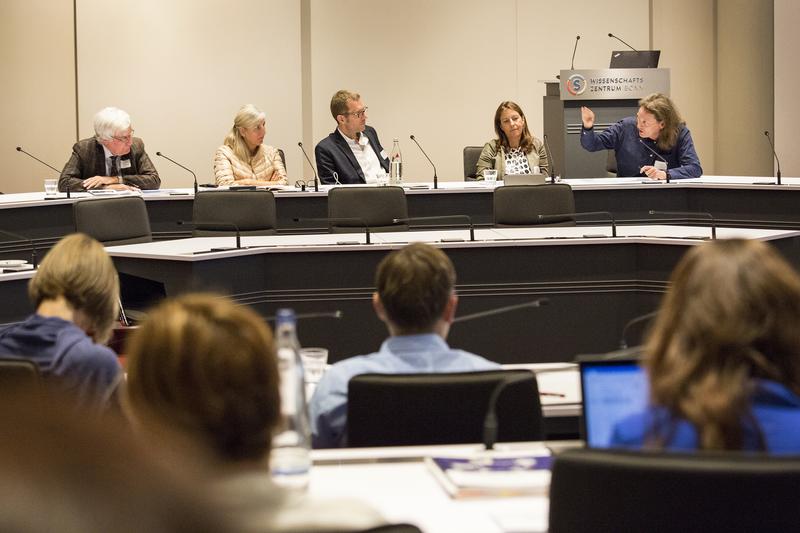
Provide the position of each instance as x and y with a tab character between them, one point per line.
334	155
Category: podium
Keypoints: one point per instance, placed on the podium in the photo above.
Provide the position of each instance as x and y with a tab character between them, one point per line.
613	94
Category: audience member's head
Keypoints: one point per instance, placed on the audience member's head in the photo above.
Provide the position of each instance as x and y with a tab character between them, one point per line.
79	271
207	368
732	313
416	290
61	470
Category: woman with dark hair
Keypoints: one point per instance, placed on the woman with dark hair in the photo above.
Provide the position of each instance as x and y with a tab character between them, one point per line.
723	357
655	143
515	151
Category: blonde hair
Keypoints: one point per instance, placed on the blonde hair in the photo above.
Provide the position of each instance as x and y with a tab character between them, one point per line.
249	116
339	102
661	107
80	270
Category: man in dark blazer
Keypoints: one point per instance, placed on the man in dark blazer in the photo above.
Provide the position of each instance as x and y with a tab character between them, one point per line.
112	159
353	150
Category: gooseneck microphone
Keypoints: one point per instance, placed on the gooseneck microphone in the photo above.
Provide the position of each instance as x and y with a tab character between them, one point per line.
774	154
690	215
435	177
318	314
316	178
641	141
551	164
183	167
574	49
441	217
623	340
609	215
539	302
19	149
623	42
210	224
23	238
361	222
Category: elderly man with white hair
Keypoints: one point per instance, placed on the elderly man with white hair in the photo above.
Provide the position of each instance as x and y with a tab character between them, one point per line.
112	159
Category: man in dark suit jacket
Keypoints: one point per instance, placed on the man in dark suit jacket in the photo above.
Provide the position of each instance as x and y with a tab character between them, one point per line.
112	159
353	150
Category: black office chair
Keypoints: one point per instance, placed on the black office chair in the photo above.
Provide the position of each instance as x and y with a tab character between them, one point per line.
471	156
447	408
254	212
113	221
595	490
521	205
16	372
611	162
283	157
374	206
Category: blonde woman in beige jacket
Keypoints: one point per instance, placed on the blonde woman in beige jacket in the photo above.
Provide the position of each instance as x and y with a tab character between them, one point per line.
243	159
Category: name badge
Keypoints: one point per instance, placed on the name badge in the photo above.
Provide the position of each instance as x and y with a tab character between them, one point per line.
124	163
383	155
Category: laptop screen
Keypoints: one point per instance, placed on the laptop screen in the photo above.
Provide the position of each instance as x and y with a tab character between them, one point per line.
612	390
635	59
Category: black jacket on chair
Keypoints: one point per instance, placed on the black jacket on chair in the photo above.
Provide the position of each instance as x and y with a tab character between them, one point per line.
334	155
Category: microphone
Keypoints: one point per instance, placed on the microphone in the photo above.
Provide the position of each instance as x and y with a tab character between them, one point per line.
19	149
208	224
441	217
690	215
316	179
771	145
623	42
183	167
19	237
490	421
301	316
574	49
550	161
435	177
608	214
641	141
539	302
340	219
623	341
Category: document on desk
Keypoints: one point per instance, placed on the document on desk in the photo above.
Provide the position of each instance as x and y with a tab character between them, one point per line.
495	475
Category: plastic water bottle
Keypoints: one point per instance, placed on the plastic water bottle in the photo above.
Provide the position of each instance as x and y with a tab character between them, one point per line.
396	165
290	461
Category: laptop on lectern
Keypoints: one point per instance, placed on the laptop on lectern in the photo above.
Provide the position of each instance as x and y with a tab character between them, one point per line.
635	58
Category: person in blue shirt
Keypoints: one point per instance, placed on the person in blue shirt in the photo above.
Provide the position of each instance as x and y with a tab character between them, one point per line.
416	299
723	356
655	143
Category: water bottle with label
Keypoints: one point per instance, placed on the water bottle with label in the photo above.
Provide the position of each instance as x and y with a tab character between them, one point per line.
290	461
396	165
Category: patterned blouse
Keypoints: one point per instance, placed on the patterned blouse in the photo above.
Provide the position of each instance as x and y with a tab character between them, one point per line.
517	162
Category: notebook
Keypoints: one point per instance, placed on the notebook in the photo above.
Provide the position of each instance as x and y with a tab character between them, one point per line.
612	389
524	179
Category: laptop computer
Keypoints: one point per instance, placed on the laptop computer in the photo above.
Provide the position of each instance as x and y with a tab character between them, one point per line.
635	58
612	389
524	179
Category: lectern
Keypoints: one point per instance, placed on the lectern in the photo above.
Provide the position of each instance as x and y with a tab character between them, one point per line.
612	94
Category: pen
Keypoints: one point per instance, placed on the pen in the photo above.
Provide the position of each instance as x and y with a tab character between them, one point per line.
553	394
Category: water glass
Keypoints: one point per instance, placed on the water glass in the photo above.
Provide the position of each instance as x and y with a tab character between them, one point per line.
51	187
314	362
382	179
490	176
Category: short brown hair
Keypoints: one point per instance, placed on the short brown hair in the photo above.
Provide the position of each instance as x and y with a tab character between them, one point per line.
414	284
208	367
80	270
339	102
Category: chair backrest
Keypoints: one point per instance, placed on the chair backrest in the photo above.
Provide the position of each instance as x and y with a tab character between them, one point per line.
113	221
611	162
375	206
283	157
521	205
640	491
254	212
471	156
446	408
17	372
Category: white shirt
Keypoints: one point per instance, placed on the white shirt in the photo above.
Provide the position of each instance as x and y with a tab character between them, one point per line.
365	155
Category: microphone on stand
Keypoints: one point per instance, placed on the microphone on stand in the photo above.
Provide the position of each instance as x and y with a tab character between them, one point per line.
539	302
183	167
435	177
20	237
19	149
440	217
552	163
608	214
774	154
301	316
623	341
641	141
574	49
689	215
340	219
316	178
208	224
623	42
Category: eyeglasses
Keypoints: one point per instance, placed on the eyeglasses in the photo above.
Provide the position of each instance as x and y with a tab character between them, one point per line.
124	139
358	114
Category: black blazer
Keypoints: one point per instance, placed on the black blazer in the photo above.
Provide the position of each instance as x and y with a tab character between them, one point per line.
334	155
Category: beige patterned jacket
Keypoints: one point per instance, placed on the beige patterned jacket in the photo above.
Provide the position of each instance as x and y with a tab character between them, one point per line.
264	168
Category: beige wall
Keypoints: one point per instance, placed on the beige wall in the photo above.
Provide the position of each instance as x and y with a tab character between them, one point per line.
37	108
787	80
